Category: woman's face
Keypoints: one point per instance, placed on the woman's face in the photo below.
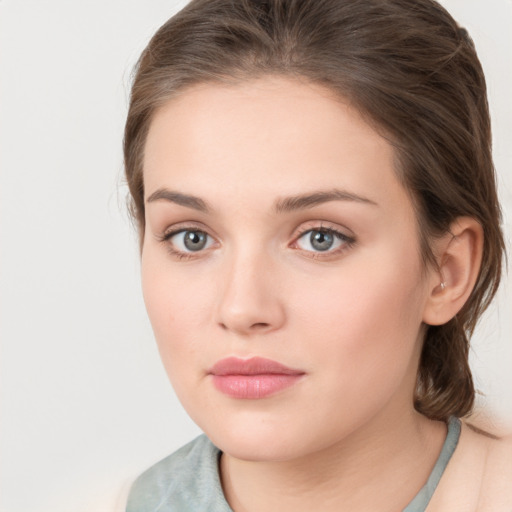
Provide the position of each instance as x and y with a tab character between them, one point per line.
276	228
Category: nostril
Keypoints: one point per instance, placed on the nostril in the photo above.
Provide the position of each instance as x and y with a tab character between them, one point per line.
259	325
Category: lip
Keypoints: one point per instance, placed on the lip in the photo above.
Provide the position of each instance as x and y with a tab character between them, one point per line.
253	378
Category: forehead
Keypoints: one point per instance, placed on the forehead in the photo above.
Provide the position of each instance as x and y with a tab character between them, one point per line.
267	135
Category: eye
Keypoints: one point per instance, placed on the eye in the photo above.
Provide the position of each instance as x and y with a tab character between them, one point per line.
189	240
322	240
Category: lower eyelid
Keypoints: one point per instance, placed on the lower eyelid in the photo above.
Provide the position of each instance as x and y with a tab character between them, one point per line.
346	242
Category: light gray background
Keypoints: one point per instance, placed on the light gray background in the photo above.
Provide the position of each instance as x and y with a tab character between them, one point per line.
85	402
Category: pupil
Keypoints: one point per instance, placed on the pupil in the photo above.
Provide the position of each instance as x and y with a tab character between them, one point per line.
194	240
321	241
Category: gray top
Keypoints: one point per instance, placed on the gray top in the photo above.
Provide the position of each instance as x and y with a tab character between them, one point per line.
189	481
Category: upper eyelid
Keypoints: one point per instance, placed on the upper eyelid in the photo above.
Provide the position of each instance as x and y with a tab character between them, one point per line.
320	228
304	227
323	226
187	226
347	239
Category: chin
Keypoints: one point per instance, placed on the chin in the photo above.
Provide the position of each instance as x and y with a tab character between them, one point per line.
257	448
260	440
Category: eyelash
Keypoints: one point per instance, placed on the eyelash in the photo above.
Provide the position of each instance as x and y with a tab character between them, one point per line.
347	241
165	238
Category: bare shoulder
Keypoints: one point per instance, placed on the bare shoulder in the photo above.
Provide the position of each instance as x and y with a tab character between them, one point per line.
479	475
497	478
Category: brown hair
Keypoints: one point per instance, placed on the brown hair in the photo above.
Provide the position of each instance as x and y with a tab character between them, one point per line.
410	69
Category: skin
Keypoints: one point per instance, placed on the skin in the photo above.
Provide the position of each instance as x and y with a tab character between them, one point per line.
350	318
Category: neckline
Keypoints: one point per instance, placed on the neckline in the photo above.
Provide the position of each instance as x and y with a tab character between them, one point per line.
420	502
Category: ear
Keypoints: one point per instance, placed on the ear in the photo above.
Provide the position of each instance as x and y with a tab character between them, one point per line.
459	255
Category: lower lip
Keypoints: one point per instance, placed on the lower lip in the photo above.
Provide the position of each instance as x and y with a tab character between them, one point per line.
252	387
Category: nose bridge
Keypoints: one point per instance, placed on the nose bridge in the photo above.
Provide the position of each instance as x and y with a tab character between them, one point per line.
248	292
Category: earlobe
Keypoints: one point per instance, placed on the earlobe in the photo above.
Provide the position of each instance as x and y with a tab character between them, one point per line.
459	256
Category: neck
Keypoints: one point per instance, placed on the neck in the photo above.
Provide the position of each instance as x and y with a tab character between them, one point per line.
383	464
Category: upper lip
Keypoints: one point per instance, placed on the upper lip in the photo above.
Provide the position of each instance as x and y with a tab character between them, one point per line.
252	366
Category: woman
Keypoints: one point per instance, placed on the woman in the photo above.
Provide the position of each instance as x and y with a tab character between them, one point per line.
320	232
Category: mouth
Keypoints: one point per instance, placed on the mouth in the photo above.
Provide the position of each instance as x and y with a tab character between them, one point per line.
253	378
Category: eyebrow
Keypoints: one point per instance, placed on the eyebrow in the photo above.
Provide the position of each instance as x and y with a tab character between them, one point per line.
286	204
303	201
189	201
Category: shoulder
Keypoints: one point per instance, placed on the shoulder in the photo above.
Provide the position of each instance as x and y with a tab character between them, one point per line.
182	481
478	476
496	493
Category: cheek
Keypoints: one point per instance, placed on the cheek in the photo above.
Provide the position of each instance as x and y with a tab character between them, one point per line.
177	307
365	323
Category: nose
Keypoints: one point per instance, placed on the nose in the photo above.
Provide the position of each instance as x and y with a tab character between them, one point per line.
249	298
